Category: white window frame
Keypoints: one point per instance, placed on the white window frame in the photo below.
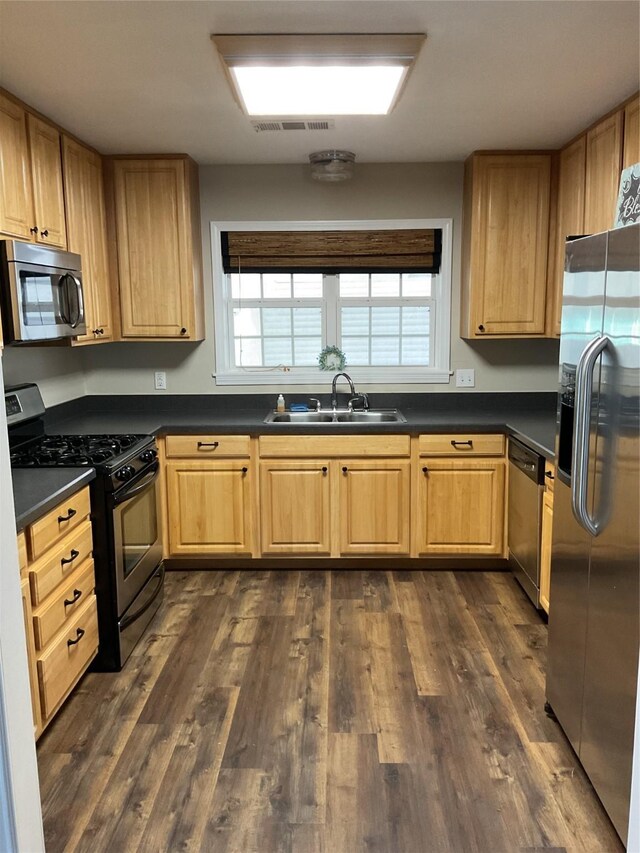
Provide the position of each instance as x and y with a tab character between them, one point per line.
439	372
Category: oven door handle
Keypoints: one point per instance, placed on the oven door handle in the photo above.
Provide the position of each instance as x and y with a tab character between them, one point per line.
131	493
131	617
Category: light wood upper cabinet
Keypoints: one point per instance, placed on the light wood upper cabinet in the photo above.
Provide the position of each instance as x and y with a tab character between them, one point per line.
209	507
631	144
604	160
375	506
295	507
505	245
46	176
16	203
460	506
569	220
87	235
158	248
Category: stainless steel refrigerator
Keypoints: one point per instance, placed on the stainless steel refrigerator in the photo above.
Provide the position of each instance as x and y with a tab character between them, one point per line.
594	603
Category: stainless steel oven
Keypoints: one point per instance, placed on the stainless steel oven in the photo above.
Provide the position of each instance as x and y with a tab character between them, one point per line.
41	291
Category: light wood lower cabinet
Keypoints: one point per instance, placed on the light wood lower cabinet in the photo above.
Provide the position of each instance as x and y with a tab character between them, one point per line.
31	657
460	506
209	507
375	508
546	537
295	507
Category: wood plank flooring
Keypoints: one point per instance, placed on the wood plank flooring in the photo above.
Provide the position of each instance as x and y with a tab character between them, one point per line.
323	712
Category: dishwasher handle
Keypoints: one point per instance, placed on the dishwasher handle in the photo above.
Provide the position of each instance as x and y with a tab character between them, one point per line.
527	461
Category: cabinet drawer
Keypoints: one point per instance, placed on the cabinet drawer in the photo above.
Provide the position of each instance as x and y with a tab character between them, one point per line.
302	446
461	445
56	566
63	606
207	446
22	554
549	478
68	655
49	529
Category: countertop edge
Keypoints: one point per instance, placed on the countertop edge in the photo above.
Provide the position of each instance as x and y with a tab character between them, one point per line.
50	499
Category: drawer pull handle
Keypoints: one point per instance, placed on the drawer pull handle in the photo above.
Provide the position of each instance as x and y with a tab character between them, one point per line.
464	443
324	469
68	516
71	558
79	635
76	595
549	475
212	444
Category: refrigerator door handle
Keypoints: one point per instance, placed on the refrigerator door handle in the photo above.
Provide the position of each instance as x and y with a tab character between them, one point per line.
580	451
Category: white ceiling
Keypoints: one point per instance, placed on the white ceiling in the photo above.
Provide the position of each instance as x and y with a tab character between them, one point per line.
144	77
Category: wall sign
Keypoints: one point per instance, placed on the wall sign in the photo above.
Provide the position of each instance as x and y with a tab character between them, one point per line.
628	209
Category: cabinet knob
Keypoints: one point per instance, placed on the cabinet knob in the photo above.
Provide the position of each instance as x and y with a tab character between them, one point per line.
183	331
34	230
324	469
96	332
425	470
244	470
344	469
481	328
45	233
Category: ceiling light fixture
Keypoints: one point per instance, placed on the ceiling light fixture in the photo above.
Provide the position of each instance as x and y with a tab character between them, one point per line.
332	165
311	75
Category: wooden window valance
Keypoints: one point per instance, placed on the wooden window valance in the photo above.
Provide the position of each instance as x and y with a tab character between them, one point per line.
406	250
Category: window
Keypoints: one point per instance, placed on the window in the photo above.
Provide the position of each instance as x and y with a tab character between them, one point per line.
272	325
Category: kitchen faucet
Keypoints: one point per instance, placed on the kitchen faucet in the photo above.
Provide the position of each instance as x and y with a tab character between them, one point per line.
334	394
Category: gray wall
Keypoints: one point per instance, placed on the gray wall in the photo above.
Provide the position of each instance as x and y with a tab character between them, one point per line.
257	193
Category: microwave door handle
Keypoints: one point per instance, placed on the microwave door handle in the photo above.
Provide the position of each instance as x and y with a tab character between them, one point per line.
131	493
71	279
64	300
580	451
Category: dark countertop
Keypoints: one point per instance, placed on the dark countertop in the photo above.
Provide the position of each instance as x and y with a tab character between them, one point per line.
531	417
36	491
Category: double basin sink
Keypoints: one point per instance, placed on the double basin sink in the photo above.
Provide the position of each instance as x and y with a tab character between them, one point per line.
339	416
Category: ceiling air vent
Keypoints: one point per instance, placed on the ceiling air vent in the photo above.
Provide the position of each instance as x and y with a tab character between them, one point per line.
293	124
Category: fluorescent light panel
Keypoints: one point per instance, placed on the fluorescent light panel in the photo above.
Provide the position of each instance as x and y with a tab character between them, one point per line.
318	75
327	90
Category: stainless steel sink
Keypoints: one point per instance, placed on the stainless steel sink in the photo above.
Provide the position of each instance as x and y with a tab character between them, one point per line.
340	416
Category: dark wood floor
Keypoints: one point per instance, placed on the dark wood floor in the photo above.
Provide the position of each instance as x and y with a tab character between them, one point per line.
323	712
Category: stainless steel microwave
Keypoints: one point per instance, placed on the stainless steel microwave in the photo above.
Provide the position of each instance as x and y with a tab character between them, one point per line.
41	290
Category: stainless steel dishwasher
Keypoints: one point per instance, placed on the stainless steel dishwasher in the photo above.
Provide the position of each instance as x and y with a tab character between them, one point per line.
526	476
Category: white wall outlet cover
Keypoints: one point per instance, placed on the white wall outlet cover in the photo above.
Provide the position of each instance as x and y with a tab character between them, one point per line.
160	380
466	378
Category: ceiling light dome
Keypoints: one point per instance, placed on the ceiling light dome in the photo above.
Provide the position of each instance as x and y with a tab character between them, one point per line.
332	165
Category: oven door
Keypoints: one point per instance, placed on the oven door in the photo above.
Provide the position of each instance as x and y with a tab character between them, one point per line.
137	537
46	303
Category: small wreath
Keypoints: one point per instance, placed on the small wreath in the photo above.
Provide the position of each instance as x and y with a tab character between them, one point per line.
332	358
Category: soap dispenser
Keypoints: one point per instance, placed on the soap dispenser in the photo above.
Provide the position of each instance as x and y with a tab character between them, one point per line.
280	403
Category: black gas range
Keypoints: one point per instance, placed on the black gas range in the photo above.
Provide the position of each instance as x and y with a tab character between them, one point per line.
124	513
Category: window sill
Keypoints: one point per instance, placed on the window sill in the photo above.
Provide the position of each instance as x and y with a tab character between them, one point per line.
381	376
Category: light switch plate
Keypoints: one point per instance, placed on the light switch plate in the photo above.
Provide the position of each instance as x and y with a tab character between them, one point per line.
466	378
160	380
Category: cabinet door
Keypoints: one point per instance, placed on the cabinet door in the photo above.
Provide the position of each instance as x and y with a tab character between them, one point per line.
374	507
631	145
545	550
460	506
295	507
154	248
604	158
209	507
31	657
86	234
46	175
570	220
16	203
510	212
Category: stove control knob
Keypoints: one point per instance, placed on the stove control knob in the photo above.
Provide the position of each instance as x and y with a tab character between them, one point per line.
148	455
126	473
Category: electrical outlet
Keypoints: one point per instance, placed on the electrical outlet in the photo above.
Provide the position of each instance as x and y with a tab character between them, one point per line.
161	380
466	378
